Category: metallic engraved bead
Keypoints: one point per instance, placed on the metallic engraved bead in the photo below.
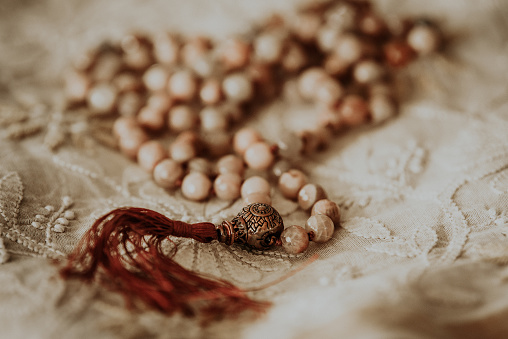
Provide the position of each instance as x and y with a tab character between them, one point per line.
257	225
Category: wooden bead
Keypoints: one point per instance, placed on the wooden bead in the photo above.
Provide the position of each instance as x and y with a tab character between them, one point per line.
354	110
151	118
381	108
182	118
368	71
210	92
291	182
257	197
259	156
101	98
227	186
182	151
255	184
150	154
155	78
244	138
196	186
424	39
309	194
321	227
328	208
238	87
230	164
167	173
213	120
294	239
182	85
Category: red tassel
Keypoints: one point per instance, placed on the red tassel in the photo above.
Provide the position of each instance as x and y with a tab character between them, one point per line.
125	245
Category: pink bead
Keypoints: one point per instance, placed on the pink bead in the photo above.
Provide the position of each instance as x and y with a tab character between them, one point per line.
227	186
328	208
150	154
167	173
196	186
291	182
182	151
244	138
182	85
259	156
294	239
210	92
131	141
182	118
257	197
321	227
310	194
255	184
230	164
151	118
354	110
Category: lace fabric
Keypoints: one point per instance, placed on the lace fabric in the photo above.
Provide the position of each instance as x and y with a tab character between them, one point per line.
423	246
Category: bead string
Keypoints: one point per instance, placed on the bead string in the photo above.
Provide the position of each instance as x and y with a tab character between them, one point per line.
341	54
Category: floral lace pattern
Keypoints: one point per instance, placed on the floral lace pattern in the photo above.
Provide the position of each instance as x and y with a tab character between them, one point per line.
424	234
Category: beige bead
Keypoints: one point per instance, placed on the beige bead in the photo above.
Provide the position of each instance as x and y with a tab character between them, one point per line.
424	39
244	138
182	118
268	47
354	110
124	126
309	81
328	208
321	227
227	186
306	26
368	71
166	48
294	239
136	53
234	53
309	194
280	167
381	108
182	151
101	98
238	87
218	144
330	118
371	24
211	92
167	173
259	156
200	165
230	164
335	65
291	182
182	85
160	101
349	48
196	186
213	120
127	82
76	86
327	37
255	184
156	78
129	104
328	91
150	154
294	58
151	118
194	50
257	197
106	67
131	141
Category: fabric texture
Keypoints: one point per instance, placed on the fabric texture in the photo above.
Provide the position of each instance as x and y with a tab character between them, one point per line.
423	246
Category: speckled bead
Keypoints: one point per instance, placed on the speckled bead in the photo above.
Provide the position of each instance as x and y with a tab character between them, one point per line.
227	186
196	186
321	227
310	194
167	173
294	239
291	182
255	184
328	208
